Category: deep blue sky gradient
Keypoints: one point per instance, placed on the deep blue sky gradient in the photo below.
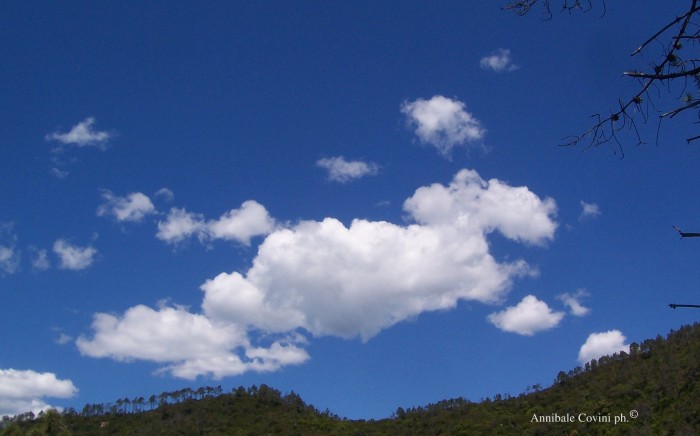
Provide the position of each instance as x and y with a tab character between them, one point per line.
225	102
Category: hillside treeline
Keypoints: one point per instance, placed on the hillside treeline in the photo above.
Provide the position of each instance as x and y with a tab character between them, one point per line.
652	389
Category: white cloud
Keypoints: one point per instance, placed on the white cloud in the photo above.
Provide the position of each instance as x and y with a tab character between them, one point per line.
442	122
73	257
602	344
180	225
165	193
342	171
59	173
63	339
9	259
9	256
498	61
307	275
326	278
134	207
242	224
41	259
189	345
82	134
23	390
470	201
239	225
528	317
573	303
588	210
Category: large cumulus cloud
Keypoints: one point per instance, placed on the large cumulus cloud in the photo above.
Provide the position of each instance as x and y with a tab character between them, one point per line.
328	278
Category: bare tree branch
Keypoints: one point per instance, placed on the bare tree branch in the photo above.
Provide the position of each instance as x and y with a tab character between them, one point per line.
664	29
675	75
522	7
667	70
674	305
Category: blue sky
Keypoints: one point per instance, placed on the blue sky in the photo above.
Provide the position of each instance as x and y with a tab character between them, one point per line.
363	202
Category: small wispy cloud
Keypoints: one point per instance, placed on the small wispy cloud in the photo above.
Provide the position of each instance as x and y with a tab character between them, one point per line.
82	134
165	194
73	257
343	171
40	259
9	259
498	61
9	255
180	225
64	339
588	211
59	173
572	301
133	208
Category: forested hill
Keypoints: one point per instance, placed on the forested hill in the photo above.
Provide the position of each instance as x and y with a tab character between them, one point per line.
652	390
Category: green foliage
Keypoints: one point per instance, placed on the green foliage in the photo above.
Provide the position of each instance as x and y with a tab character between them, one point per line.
657	382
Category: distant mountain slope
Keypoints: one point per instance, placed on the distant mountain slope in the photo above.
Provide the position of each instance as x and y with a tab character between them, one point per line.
653	389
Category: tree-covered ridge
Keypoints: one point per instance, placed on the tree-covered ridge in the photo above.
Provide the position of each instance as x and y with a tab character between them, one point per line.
653	389
207	410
